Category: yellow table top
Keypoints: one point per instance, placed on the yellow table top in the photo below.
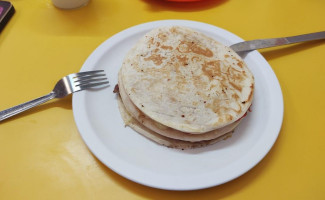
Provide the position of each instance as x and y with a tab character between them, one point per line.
41	152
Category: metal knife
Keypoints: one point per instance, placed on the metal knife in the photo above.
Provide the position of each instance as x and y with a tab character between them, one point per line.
265	43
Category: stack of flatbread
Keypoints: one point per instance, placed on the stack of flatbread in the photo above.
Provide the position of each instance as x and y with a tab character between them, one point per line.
182	89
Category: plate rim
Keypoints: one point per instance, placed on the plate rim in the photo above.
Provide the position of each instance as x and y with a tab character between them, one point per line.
98	149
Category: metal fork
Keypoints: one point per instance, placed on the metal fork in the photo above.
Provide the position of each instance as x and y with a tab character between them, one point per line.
65	86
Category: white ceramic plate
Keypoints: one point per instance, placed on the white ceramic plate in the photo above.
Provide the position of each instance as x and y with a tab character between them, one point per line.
138	159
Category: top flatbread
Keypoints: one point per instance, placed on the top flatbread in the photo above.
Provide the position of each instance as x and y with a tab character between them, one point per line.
186	80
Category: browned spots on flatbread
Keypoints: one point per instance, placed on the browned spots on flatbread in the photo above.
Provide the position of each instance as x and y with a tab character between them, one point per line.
162	37
167	47
176	66
141	115
211	69
235	96
181	84
215	106
198	50
182	60
251	94
218	107
172	99
199	84
229	117
227	56
173	30
151	41
163	71
195	59
155	58
236	87
133	90
239	110
240	64
235	75
188	47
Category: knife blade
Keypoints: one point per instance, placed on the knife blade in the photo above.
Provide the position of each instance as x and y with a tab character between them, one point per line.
272	42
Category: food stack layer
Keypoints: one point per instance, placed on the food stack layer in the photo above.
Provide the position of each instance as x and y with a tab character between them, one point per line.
182	89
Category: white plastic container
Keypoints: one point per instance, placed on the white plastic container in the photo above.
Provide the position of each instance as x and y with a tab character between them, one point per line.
69	4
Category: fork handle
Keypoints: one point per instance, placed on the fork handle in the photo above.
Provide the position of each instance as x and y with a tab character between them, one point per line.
25	106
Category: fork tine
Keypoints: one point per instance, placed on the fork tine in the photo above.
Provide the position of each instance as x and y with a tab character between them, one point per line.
91	80
88	77
91	85
85	77
88	73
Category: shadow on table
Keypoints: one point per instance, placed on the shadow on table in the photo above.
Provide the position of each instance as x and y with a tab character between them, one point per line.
65	103
287	50
161	5
217	192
